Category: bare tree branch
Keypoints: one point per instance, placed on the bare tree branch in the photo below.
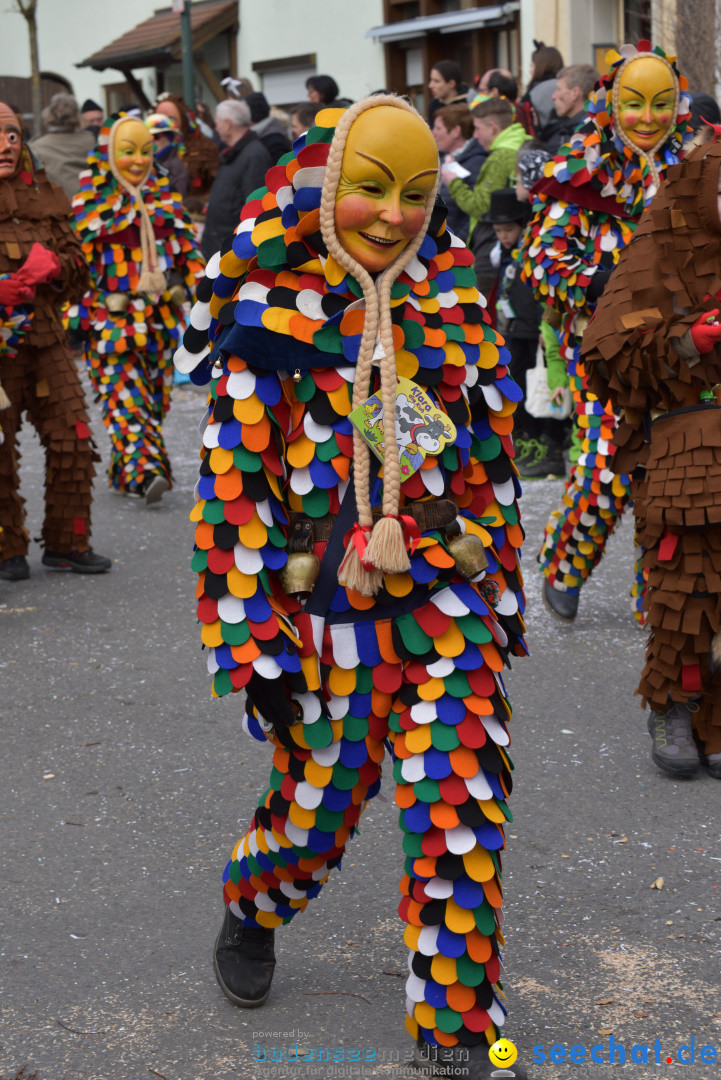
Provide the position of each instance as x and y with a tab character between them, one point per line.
27	8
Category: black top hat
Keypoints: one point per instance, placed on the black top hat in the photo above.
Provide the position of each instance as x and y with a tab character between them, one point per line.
505	208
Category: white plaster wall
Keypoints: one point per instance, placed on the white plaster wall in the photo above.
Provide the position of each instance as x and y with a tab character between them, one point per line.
68	31
332	29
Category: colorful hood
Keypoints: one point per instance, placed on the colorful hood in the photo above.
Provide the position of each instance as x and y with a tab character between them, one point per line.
597	166
288	294
102	206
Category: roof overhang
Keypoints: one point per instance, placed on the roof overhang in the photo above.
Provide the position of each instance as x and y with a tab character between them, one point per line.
156	42
449	23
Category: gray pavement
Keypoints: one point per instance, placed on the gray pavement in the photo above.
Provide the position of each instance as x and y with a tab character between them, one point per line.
124	787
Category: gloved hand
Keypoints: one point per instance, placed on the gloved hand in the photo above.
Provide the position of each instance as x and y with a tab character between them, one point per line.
599	281
706	332
13	290
40	267
271	698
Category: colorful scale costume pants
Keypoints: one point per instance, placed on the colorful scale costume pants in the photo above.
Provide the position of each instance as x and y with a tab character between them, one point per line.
428	683
593	501
44	383
133	386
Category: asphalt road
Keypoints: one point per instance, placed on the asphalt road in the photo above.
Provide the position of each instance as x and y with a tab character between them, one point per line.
124	787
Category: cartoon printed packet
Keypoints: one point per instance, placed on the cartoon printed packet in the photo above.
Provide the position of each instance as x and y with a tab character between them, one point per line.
421	427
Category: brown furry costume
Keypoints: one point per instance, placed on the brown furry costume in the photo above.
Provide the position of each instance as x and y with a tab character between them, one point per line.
640	354
42	377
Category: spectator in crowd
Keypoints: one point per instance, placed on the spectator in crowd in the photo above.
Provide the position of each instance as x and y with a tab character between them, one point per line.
573	86
200	152
237	89
539	443
91	116
480	90
205	121
703	108
242	168
322	89
546	62
502	84
271	131
42	267
446	86
303	117
500	136
453	132
63	151
167	142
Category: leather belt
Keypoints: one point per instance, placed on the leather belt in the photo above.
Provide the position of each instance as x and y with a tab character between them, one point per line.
306	531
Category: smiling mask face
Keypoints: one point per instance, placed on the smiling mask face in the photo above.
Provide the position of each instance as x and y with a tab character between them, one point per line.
647	94
389	169
133	151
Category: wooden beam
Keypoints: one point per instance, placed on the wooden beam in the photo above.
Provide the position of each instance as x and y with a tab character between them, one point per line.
216	89
137	87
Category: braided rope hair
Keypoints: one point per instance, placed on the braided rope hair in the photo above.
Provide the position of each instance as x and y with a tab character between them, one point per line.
386	547
152	278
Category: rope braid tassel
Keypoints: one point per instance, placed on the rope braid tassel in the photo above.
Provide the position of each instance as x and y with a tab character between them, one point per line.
152	278
373	550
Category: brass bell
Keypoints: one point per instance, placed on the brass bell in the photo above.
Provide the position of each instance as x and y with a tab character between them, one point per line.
300	574
297	375
117	303
469	554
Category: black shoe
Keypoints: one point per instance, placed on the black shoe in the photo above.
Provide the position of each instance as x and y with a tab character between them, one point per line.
469	1062
244	961
561	604
15	568
153	488
544	460
79	562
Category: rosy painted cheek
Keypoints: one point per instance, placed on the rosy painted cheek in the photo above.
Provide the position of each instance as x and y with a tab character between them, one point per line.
413	222
630	119
354	211
663	119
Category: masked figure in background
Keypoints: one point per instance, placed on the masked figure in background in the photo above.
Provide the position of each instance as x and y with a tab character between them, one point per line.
586	210
41	267
393	623
144	263
654	348
200	154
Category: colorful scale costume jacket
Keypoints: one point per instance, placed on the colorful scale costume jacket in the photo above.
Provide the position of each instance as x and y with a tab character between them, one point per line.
129	352
420	663
639	353
585	212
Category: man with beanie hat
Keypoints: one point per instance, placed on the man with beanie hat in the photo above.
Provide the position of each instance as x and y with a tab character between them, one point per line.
91	116
271	131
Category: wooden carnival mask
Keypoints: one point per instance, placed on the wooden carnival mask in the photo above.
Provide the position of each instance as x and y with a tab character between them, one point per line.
389	169
647	100
133	151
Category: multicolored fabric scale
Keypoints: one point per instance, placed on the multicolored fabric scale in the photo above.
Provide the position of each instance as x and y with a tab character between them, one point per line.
131	336
585	211
420	663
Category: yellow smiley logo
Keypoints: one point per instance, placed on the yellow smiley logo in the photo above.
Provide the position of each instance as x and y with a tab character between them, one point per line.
503	1053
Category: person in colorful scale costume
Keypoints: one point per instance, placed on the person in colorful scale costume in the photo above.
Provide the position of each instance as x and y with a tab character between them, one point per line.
585	211
341	276
653	348
144	263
